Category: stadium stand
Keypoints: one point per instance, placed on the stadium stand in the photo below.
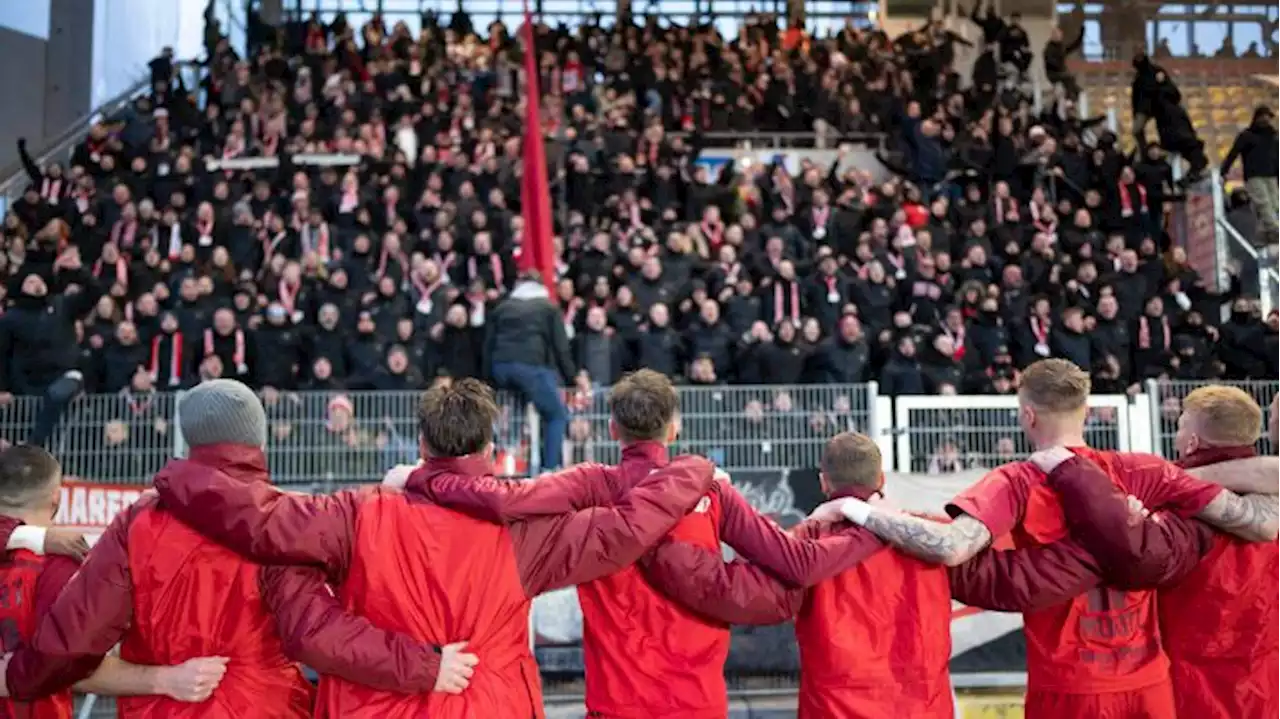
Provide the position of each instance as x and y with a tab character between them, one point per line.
333	217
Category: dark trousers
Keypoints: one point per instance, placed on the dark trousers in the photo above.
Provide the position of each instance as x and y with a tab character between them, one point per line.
57	396
541	386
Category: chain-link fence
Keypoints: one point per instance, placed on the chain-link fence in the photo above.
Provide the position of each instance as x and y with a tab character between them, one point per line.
1166	400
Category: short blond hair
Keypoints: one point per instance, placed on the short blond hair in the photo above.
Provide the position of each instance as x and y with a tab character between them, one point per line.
1055	386
1224	415
852	459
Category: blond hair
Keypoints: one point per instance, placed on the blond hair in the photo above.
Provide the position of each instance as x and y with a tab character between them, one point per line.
1224	415
1055	386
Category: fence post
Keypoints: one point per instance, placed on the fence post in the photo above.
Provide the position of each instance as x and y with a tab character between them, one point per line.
1154	425
1142	435
880	424
179	442
534	420
901	423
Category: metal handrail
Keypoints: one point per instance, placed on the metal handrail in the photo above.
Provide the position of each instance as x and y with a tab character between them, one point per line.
15	176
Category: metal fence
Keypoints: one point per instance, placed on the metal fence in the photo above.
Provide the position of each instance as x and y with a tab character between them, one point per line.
1166	402
320	440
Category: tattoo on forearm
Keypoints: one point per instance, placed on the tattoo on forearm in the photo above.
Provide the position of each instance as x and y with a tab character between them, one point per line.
928	540
1251	517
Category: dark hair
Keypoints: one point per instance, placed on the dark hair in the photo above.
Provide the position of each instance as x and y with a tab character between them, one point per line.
25	470
643	404
851	459
456	418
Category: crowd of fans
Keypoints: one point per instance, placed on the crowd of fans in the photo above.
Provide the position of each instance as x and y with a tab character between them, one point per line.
1001	236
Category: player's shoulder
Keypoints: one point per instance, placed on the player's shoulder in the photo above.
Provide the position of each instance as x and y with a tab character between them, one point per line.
1136	461
1016	471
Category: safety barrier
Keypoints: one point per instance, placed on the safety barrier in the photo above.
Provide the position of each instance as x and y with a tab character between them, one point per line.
324	440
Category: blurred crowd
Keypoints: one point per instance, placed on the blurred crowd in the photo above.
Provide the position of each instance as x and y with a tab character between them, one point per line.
340	211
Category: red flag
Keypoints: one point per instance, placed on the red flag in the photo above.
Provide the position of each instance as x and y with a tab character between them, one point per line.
536	249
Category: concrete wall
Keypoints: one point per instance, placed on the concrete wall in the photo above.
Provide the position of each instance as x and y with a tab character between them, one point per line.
22	74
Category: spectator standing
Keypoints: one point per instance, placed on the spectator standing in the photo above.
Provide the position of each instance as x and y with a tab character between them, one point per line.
527	350
1259	148
1055	62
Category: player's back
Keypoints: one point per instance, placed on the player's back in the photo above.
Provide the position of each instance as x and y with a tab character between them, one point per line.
875	640
20	575
193	598
1106	640
1221	629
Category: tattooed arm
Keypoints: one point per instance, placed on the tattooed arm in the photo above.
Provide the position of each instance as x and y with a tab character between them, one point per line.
950	544
1253	517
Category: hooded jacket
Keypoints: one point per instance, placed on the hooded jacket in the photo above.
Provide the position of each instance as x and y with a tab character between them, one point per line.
1259	146
387	551
526	328
167	594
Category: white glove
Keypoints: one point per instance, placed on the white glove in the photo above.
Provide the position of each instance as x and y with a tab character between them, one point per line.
1049	459
398	475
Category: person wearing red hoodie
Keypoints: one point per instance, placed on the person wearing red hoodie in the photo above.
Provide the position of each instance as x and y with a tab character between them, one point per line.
1109	663
168	594
1226	663
30	484
407	563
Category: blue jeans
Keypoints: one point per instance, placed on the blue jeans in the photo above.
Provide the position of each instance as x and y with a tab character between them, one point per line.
57	397
541	386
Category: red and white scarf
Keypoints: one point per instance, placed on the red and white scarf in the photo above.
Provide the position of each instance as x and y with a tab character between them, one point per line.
270	243
495	266
123	232
1144	332
445	262
175	358
1040	328
1002	206
288	295
957	341
316	240
121	268
779	301
237	357
350	201
820	215
731	273
1126	200
713	233
51	190
175	241
425	290
205	230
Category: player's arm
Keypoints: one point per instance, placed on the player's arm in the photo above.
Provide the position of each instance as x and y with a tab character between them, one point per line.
316	630
951	544
798	560
1133	552
554	552
1253	517
503	501
1025	580
191	681
1254	475
264	524
698	578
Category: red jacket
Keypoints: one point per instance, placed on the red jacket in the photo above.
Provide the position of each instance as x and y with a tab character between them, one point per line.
677	670
28	586
169	594
1225	663
407	563
1106	640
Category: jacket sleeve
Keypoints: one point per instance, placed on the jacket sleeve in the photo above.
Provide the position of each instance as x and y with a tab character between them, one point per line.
7	525
95	608
264	524
317	631
32	674
699	579
796	562
504	501
554	552
1025	580
1133	553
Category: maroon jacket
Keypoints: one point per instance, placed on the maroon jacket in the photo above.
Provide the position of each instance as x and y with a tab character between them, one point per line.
96	608
1132	554
272	526
735	595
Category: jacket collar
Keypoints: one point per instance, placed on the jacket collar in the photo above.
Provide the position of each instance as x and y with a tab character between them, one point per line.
1214	455
238	461
653	452
472	465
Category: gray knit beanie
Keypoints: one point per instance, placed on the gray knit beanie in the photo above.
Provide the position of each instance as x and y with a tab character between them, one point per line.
222	411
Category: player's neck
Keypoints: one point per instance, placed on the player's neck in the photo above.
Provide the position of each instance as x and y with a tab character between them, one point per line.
1060	439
